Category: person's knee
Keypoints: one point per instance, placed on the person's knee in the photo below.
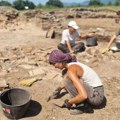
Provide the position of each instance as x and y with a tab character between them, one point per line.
60	46
63	48
79	47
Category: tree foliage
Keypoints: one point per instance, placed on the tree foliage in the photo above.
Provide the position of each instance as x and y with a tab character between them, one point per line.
5	3
21	4
95	2
39	5
57	3
117	2
30	4
110	3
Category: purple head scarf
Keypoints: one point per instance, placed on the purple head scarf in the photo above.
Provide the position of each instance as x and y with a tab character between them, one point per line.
57	56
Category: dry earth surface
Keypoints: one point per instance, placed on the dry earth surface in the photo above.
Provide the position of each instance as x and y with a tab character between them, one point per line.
26	47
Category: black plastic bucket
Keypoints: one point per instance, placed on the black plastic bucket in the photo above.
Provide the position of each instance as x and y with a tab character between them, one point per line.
118	44
92	41
15	102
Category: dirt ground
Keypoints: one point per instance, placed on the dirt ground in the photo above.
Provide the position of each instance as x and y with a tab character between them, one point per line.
107	67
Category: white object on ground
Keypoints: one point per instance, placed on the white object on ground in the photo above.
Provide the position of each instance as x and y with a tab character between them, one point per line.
114	49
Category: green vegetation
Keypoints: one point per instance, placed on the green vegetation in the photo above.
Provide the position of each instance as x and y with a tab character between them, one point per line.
117	3
23	4
5	3
57	4
111	7
47	7
95	3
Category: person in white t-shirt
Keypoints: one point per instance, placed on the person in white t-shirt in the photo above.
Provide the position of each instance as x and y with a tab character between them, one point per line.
69	37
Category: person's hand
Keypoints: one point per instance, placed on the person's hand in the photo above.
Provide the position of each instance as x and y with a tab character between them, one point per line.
56	93
71	51
105	50
67	104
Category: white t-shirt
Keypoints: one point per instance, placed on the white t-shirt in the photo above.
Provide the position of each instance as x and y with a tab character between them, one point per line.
71	37
89	75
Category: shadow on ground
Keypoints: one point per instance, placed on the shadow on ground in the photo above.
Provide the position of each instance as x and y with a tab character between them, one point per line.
34	109
104	103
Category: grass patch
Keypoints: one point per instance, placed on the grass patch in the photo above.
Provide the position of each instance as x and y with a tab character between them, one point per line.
111	7
50	8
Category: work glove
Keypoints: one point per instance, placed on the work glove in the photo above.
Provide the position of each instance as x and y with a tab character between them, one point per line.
67	104
56	93
105	50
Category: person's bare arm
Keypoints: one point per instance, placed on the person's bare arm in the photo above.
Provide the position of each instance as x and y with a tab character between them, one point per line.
87	35
113	38
82	94
111	41
105	50
69	46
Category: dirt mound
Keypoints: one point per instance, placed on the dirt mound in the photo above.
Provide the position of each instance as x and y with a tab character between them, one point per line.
50	19
7	16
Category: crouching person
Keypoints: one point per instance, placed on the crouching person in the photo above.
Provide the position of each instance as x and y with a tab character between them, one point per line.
81	82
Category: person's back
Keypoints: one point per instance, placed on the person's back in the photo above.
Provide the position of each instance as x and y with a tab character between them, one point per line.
89	75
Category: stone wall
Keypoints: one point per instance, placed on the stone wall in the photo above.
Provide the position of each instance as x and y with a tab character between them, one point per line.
52	19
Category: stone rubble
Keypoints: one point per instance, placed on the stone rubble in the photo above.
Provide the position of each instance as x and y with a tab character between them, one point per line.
25	62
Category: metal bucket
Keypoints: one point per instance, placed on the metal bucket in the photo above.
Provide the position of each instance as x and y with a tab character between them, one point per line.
15	102
92	41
